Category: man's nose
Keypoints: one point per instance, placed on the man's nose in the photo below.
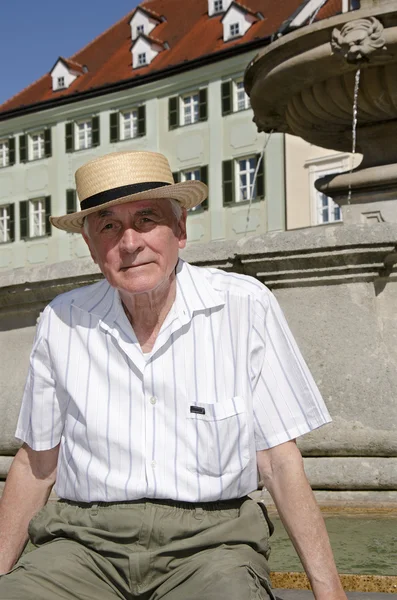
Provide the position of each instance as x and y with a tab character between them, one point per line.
131	240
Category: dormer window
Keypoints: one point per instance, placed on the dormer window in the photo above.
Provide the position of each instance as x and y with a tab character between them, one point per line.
144	50
142	59
234	30
143	21
64	72
218	6
237	20
215	7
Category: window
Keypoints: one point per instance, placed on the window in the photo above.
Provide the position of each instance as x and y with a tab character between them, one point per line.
327	210
61	82
218	6
6	224
4	153
187	109
194	174
82	134
37	146
140	29
238	179
246	172
234	29
234	97
37	217
242	100
142	59
190	109
127	124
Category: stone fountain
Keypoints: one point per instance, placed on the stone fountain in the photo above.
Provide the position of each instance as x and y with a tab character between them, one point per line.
304	83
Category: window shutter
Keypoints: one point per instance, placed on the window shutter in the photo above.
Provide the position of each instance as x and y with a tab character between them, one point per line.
69	139
12	222
70	201
11	151
23	148
204	179
177	176
47	215
228	182
203	112
227	98
260	179
47	142
141	120
24	219
95	131
173	112
114	127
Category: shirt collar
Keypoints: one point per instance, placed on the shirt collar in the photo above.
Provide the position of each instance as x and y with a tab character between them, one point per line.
194	292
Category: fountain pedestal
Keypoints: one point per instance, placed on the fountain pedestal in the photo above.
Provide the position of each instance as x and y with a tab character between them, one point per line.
303	84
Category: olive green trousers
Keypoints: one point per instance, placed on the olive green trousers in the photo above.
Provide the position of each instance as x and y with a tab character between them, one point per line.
148	549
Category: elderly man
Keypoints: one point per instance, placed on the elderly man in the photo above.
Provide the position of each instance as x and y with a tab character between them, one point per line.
153	398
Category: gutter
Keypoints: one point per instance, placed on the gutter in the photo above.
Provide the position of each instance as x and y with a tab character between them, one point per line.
137	80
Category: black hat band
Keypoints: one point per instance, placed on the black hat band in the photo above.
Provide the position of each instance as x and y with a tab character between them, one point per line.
120	192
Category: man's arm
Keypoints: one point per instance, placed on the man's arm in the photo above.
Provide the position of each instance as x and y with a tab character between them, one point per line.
281	470
27	488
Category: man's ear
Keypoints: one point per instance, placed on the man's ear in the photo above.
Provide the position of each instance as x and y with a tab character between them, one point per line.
90	247
182	237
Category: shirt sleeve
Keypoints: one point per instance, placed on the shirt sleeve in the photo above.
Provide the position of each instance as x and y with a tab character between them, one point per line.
286	400
40	421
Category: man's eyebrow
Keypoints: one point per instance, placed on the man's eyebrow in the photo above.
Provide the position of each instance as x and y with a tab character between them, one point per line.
146	211
104	213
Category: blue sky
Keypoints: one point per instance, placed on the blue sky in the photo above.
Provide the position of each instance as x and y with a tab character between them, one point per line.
33	33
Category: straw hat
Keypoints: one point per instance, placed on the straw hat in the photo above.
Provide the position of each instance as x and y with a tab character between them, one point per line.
124	177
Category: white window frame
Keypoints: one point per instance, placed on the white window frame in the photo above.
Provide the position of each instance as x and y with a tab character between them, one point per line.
218	7
37	208
142	59
5	229
250	171
36	145
133	119
61	84
191	108
234	30
4	153
240	102
319	167
140	29
192	174
83	142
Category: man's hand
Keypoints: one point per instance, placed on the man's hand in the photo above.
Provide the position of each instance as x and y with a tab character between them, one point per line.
281	470
28	486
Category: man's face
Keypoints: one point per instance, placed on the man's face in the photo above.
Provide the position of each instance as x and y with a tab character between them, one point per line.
136	244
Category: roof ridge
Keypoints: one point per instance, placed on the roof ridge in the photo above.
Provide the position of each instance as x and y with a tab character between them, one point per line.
98	37
148	10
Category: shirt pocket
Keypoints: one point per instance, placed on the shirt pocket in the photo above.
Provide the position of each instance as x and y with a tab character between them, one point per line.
217	437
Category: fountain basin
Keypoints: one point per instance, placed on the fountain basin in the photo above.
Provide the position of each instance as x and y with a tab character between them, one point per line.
303	84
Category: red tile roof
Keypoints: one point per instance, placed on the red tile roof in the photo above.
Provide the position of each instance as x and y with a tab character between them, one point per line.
189	32
72	65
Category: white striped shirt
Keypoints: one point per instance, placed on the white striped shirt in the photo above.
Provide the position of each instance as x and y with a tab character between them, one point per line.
224	379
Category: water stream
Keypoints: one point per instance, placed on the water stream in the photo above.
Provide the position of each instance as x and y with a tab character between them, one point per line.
354	129
253	185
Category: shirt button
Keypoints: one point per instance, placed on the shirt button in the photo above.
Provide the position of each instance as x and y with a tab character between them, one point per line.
153	400
153	463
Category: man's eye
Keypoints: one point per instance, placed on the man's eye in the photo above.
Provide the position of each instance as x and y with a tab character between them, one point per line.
107	226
